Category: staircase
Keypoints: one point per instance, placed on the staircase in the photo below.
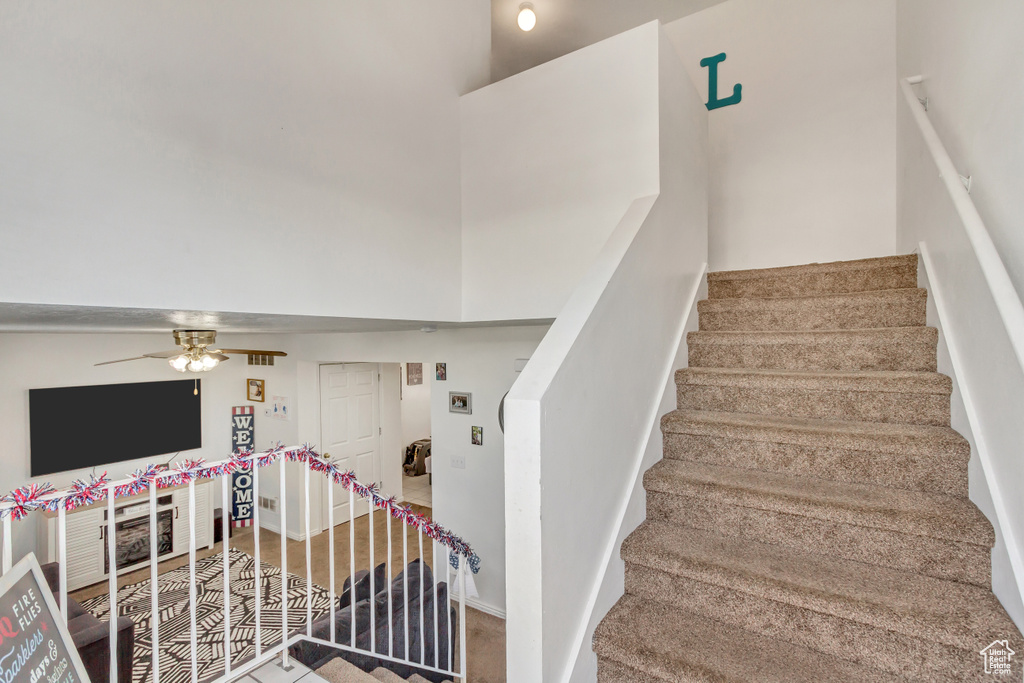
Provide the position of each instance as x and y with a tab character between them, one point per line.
339	671
810	519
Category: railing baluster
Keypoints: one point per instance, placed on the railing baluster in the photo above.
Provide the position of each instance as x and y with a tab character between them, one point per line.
309	560
433	558
225	521
373	583
391	607
448	608
5	563
352	564
405	592
284	564
62	560
154	570
330	551
193	596
423	595
112	582
257	568
462	617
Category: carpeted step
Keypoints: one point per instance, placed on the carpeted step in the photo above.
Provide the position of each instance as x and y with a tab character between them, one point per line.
937	535
892	348
872	396
642	641
911	457
891	272
339	671
918	626
851	310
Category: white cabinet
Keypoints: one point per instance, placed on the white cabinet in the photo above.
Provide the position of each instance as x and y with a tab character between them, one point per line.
87	553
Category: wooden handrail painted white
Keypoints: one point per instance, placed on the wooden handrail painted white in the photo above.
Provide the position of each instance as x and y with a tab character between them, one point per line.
1004	294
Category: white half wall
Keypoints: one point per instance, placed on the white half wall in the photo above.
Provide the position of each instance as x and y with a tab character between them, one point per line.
551	160
803	168
258	156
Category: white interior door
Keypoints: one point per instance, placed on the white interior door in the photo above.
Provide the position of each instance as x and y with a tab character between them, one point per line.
350	429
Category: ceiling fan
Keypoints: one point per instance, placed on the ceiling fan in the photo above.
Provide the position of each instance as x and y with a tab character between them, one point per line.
195	354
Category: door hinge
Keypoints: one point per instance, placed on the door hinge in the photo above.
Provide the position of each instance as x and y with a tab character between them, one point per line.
380	430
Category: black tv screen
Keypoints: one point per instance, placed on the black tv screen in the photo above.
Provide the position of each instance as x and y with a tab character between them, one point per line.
78	427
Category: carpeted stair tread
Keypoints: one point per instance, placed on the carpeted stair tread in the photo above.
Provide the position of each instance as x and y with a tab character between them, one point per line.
852	435
909	512
648	641
955	614
891	272
887	348
846	310
883	381
340	671
386	675
874	396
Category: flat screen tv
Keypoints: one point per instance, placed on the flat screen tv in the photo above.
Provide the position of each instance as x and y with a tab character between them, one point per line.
79	427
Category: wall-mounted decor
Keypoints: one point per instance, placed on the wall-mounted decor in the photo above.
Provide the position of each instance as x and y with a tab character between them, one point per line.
279	408
256	390
242	438
713	102
459	402
441	372
478	436
413	374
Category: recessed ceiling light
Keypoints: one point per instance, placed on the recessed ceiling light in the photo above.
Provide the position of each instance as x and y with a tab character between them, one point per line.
527	17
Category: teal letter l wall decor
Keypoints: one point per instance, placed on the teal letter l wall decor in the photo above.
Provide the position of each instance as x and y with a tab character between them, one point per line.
713	101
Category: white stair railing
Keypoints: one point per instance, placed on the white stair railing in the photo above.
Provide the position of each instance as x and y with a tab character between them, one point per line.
21	503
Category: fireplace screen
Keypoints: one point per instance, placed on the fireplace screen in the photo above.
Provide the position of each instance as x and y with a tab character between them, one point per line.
132	542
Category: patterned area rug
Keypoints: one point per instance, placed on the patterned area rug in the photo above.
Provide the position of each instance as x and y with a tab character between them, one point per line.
133	601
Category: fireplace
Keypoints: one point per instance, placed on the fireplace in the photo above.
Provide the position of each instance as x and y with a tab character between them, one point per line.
131	545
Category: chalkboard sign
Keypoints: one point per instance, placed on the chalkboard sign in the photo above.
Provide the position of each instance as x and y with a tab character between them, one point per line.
35	646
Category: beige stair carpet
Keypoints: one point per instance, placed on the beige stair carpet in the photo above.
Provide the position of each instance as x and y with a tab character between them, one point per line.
810	519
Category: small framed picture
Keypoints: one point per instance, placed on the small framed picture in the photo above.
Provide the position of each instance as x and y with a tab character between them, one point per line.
413	374
256	390
459	402
442	372
478	436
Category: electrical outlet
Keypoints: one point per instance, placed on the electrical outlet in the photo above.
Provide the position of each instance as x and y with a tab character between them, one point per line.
459	462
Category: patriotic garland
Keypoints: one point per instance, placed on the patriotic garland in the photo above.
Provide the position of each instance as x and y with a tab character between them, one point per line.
20	502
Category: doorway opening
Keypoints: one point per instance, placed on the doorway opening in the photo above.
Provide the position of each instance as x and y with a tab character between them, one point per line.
417	478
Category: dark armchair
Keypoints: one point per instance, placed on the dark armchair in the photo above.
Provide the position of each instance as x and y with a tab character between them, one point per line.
92	636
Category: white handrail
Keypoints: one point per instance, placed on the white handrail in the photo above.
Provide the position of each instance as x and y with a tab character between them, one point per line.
1004	294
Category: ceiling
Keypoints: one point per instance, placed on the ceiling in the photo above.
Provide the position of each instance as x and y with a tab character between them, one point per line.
77	319
567	25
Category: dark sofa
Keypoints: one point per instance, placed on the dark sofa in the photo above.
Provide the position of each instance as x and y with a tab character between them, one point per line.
92	636
385	629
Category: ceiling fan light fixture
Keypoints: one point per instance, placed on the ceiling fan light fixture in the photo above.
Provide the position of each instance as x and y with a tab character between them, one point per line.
195	365
179	363
527	17
209	362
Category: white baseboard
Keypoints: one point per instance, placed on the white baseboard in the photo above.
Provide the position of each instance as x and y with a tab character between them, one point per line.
476	604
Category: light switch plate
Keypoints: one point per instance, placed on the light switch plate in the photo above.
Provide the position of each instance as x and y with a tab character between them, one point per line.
459	462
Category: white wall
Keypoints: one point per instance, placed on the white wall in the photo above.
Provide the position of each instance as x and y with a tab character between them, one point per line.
481	361
803	168
32	361
256	156
551	159
970	54
416	406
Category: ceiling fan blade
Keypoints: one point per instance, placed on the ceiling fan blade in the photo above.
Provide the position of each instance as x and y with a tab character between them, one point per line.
164	354
122	360
246	352
219	356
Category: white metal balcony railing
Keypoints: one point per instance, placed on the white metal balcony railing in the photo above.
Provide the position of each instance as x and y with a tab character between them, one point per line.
19	504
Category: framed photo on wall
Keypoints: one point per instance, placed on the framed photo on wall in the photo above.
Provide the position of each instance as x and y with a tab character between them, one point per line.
478	436
441	372
460	402
413	374
256	390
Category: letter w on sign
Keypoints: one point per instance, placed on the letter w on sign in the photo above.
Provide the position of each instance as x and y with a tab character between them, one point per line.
242	437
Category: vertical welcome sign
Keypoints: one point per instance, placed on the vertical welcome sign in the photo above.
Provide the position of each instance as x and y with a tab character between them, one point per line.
242	437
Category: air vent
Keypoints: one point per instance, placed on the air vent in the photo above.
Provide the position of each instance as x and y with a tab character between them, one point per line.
268	503
260	359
